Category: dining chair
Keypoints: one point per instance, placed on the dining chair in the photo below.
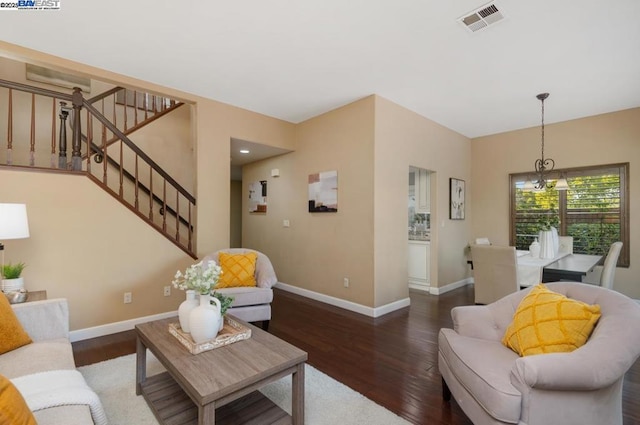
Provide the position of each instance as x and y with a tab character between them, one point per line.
609	268
495	272
566	244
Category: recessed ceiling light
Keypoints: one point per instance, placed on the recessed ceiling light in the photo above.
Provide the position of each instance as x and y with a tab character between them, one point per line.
244	150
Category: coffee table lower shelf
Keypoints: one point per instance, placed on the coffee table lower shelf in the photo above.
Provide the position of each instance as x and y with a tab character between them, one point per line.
172	406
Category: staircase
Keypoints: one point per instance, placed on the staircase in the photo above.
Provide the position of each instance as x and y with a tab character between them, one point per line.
39	121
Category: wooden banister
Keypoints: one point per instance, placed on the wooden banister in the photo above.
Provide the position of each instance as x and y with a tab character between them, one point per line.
153	111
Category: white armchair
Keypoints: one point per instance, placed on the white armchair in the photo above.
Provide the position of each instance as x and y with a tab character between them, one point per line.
251	304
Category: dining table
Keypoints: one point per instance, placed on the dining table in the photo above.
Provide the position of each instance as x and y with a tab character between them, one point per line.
564	266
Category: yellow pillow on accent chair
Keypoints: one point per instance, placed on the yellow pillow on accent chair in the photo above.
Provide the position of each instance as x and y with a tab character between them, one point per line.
548	322
237	270
13	408
13	335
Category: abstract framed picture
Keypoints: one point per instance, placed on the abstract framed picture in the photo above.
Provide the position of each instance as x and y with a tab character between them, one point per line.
323	192
258	197
456	199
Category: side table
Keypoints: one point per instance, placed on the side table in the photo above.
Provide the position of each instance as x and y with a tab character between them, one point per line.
36	296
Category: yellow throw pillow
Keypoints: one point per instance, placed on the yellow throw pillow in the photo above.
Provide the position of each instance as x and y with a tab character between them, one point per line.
13	408
237	269
548	322
13	336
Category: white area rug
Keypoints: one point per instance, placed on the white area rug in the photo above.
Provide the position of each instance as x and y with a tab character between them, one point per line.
327	401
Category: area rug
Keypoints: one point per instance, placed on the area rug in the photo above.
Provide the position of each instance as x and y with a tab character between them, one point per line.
327	401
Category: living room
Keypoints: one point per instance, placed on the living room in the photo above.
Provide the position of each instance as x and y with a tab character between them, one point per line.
85	247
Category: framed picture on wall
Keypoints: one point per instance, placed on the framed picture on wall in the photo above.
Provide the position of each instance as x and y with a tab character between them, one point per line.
258	197
323	192
456	199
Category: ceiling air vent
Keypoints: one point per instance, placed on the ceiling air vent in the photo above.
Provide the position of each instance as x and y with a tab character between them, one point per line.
482	17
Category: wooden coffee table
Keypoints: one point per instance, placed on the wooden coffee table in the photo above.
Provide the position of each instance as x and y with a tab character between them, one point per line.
218	386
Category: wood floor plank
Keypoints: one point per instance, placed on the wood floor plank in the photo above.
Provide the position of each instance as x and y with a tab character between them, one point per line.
392	360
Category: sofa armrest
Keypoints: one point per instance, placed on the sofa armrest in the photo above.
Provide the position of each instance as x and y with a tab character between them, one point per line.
42	320
476	321
579	370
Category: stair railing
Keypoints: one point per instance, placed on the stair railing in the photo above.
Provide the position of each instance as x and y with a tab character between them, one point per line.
123	170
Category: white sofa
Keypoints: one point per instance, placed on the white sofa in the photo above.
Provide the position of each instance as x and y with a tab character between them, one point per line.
47	323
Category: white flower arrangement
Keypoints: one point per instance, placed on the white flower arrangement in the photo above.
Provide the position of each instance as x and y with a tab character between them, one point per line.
200	279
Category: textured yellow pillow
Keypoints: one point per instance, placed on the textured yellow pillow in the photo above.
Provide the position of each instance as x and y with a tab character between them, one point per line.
13	408
237	269
13	336
548	322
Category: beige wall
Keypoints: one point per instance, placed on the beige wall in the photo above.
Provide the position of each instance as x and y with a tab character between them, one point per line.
62	255
320	249
402	139
235	226
602	139
371	143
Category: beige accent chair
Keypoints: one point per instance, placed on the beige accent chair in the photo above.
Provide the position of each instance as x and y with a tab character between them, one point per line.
251	304
609	268
495	272
493	385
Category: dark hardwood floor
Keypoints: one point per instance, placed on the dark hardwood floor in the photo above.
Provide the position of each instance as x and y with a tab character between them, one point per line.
392	360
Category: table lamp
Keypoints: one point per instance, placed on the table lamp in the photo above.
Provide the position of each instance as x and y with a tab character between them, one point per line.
13	225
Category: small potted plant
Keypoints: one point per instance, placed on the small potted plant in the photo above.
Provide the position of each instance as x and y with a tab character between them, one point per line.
11	280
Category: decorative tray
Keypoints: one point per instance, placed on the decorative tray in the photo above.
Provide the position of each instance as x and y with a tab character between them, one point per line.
230	333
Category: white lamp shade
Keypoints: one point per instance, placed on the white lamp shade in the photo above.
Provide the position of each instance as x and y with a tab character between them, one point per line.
562	184
13	221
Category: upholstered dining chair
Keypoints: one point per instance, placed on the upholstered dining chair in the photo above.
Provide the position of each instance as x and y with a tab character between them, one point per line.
251	303
494	385
495	272
609	268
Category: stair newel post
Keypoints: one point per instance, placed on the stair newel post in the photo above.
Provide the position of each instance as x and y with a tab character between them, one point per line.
62	139
76	139
53	134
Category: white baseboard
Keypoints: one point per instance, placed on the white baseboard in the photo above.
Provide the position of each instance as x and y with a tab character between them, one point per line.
347	305
450	287
112	328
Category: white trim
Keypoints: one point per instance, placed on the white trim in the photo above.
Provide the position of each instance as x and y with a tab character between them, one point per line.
450	287
112	328
347	305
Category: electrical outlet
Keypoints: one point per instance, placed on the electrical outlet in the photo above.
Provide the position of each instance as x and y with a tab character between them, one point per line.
167	291
346	282
127	297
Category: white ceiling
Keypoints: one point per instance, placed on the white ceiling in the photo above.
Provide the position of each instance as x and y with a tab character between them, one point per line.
296	59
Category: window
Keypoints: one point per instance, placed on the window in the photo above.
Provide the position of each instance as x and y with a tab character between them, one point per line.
595	210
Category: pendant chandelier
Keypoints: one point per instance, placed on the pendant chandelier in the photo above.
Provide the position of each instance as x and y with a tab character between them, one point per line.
544	165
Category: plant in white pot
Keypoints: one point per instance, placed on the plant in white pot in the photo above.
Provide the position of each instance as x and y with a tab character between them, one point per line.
11	279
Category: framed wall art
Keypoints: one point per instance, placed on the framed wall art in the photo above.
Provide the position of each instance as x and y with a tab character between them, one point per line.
323	192
258	197
456	199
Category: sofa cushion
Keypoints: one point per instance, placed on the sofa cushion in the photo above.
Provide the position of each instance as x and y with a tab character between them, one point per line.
483	367
13	335
13	408
40	356
78	414
237	270
243	296
549	322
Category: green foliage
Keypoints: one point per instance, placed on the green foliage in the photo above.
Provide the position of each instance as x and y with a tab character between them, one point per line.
225	302
13	271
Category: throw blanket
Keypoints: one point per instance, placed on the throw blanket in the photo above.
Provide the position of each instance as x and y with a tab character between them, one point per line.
59	388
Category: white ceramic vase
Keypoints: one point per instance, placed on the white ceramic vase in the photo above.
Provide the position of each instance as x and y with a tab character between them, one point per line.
534	249
184	311
204	320
547	246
